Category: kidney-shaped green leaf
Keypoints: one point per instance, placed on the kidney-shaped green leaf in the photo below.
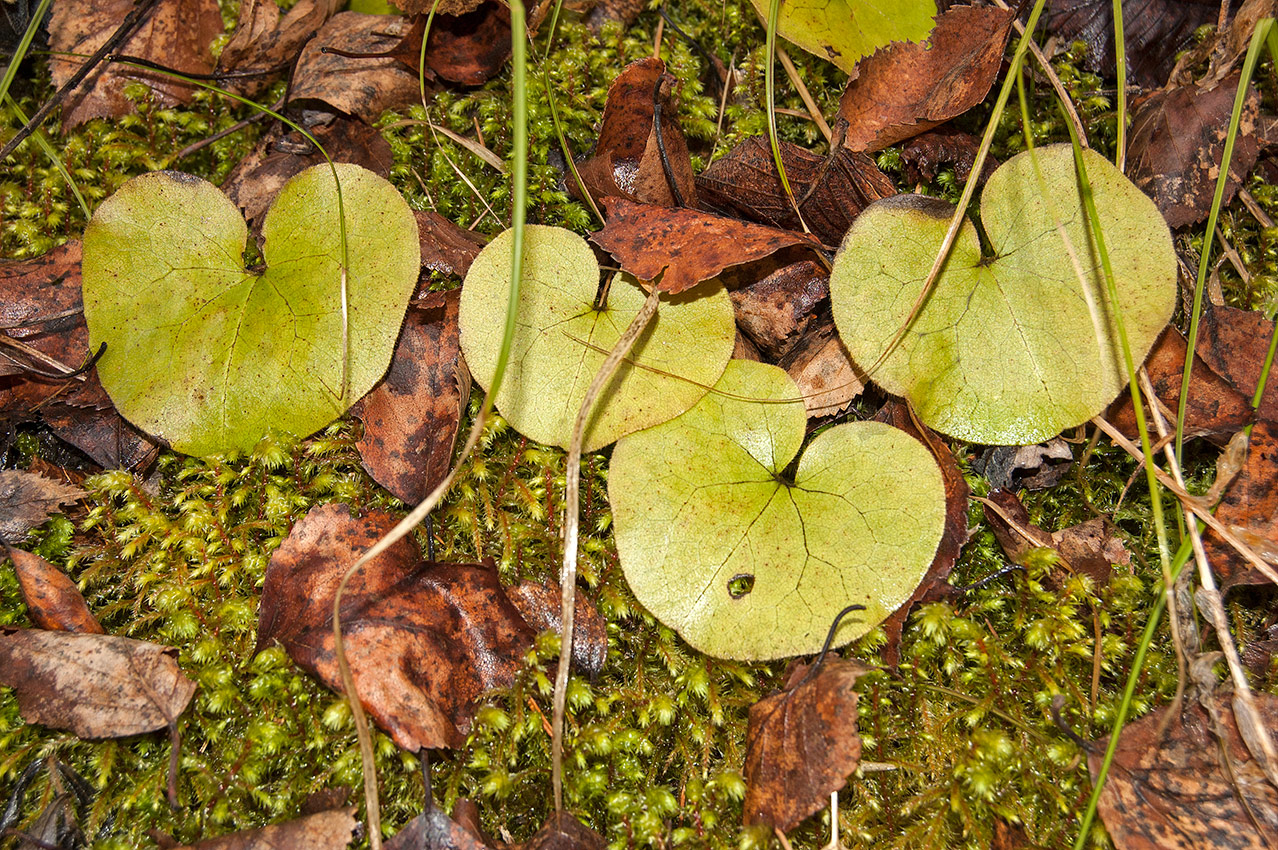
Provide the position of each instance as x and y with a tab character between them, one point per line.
743	563
846	31
561	341
1010	347
211	356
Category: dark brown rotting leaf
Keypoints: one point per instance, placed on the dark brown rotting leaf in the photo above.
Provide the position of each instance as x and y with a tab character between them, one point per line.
27	500
362	87
423	640
1215	407
541	607
1234	344
434	830
470	48
1153	32
801	744
283	153
102	434
923	155
1178	138
96	686
446	7
331	830
627	159
906	88
818	362
625	12
1037	467
265	42
446	248
562	831
830	193
684	247
52	599
1249	509
776	311
934	584
411	418
1090	548
1171	790
177	34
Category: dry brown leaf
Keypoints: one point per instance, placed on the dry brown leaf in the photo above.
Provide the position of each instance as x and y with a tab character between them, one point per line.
1249	508
776	311
446	248
362	87
471	47
52	599
176	34
1037	467
1177	141
411	418
97	686
1090	548
446	7
801	744
818	362
923	155
331	830
684	247
562	831
907	87
263	41
1234	343
27	500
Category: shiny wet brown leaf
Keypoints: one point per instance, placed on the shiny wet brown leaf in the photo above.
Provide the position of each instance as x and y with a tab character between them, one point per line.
53	601
434	830
359	86
923	156
907	88
331	830
411	418
28	500
541	607
776	311
96	686
1174	792
1249	508
562	831
684	247
801	744
267	41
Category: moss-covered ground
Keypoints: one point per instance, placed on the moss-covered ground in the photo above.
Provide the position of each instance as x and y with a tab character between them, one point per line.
961	737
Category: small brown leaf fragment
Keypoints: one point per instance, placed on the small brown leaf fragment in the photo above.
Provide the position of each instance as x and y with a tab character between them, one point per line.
27	500
102	434
818	362
1177	139
176	34
684	247
40	305
265	42
562	831
283	153
627	160
411	418
362	87
471	47
434	830
53	601
331	830
907	88
96	686
923	155
934	585
801	744
446	248
1171	791
423	640
446	7
540	606
1037	467
1090	548
776	311
1234	344
830	192
1215	407
1249	508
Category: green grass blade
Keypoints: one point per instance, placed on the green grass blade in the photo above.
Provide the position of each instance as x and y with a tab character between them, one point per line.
24	45
43	141
1120	54
769	87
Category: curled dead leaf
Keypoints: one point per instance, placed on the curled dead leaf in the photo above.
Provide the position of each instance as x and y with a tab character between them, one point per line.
53	601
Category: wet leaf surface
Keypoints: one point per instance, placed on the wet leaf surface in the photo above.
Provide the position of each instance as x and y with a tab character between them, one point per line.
471	47
331	830
540	606
362	87
1177	141
684	247
1036	467
802	744
907	88
424	640
1249	508
27	500
52	599
819	365
96	686
562	831
434	830
411	418
925	154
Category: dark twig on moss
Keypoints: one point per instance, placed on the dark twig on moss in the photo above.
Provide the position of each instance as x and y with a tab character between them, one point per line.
829	639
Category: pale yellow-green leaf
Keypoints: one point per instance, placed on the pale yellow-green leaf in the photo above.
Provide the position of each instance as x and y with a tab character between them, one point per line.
701	502
846	31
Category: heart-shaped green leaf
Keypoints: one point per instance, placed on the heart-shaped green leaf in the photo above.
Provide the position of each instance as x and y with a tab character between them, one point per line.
211	356
1009	348
846	31
561	340
720	546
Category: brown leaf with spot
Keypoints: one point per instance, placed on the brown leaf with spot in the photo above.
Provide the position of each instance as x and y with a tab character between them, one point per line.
775	311
1177	140
934	584
53	601
331	830
96	686
1090	548
446	248
819	364
627	159
831	192
1215	407
906	87
1249	509
360	86
265	41
176	34
1234	343
1173	791
27	500
684	247
411	418
801	744
471	47
541	607
423	640
562	831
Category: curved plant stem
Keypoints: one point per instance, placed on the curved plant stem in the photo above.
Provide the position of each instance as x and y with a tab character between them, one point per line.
52	154
769	85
